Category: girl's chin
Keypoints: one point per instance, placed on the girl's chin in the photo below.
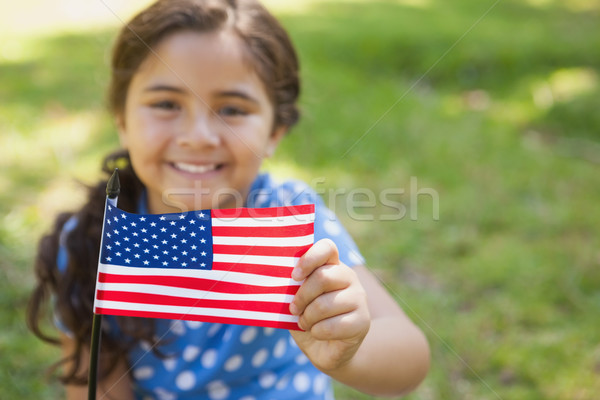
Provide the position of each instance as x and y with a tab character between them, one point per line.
176	201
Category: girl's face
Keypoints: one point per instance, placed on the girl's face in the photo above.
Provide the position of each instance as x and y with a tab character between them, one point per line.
197	123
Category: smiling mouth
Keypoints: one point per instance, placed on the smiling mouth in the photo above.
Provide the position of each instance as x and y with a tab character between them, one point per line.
196	168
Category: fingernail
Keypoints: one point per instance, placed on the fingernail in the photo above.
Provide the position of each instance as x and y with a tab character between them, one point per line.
296	275
293	309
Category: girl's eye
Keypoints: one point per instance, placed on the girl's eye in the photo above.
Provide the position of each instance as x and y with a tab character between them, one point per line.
231	111
166	105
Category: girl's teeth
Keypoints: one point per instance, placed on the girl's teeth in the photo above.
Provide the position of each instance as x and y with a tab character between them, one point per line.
195	169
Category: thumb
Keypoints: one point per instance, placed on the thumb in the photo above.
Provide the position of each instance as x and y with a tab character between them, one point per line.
324	252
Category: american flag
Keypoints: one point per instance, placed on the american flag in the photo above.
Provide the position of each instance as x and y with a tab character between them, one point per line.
229	266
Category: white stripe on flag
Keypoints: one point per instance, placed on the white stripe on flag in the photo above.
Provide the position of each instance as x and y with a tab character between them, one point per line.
264	241
278	261
215	275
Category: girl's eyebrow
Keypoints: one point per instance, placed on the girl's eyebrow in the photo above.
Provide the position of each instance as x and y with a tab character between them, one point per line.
226	93
161	88
237	93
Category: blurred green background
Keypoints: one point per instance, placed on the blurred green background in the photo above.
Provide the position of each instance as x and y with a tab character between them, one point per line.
492	105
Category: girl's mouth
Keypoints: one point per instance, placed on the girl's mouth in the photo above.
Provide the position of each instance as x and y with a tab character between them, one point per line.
196	168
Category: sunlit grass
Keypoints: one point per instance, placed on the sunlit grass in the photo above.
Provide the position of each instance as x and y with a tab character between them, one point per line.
564	85
37	17
303	6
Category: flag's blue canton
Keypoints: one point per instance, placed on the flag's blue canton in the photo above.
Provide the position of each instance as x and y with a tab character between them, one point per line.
161	241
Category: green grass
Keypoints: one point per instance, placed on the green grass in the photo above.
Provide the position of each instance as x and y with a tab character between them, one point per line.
504	126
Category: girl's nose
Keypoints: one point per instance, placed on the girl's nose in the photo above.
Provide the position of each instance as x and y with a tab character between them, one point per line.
199	133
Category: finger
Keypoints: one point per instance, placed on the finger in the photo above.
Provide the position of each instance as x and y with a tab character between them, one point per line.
326	306
342	327
321	253
325	279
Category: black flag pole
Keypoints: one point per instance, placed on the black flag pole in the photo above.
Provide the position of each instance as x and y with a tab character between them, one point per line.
113	187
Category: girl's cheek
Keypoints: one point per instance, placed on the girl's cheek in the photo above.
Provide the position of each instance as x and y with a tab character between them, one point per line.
153	125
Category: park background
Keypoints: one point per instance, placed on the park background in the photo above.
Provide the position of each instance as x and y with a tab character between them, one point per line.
490	105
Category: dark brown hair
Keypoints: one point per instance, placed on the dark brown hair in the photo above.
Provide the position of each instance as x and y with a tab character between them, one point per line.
271	53
72	290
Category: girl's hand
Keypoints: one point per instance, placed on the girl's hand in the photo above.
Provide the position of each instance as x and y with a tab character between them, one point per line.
332	308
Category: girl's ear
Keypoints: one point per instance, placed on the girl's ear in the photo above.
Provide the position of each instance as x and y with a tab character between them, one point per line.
278	134
120	122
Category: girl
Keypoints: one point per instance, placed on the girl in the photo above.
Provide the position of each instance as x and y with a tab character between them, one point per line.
202	91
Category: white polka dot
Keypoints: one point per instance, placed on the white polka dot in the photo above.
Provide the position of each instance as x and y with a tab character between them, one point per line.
163	394
191	352
332	227
213	330
185	380
299	187
209	358
145	346
354	258
193	324
301	382
267	379
233	363
301	359
260	357
248	335
227	335
279	349
283	382
217	390
248	398
170	363
319	384
261	199
177	327
268	331
145	372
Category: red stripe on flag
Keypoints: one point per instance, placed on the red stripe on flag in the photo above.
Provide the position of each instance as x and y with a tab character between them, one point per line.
257	269
269	212
195	283
189	317
264	231
291	251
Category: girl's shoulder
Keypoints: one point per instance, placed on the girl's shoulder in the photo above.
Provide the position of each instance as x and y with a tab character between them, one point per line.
266	191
